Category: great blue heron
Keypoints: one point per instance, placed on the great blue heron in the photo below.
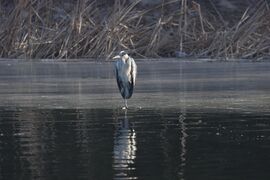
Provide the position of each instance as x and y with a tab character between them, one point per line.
125	73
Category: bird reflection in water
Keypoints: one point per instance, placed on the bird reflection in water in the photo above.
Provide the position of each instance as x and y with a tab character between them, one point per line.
124	152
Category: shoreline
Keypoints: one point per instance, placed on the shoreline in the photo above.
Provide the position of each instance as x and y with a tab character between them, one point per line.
103	60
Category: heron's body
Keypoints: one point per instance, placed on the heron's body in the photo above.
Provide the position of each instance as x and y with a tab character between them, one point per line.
125	73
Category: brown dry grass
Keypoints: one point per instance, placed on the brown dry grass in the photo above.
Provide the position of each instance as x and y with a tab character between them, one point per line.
45	29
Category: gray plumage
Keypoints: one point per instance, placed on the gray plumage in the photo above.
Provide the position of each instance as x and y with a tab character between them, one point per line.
125	73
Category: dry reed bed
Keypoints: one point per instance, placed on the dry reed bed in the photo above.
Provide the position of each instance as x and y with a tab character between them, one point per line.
43	29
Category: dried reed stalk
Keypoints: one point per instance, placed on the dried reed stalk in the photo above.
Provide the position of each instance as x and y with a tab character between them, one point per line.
84	29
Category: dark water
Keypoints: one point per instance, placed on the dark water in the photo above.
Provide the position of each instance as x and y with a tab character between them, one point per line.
138	144
187	120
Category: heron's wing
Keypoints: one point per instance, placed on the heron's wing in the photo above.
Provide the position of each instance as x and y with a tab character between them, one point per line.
133	72
117	68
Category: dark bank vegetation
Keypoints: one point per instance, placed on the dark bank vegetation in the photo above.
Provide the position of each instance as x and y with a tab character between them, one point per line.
87	29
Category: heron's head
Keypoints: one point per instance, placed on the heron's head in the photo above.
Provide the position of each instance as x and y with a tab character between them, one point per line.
122	55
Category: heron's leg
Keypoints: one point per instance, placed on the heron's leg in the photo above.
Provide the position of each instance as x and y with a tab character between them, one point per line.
126	103
125	107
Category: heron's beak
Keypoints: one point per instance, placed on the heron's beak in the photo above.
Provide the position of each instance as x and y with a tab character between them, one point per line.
116	57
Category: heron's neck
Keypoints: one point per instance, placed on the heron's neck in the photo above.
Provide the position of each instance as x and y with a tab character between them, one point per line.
125	59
